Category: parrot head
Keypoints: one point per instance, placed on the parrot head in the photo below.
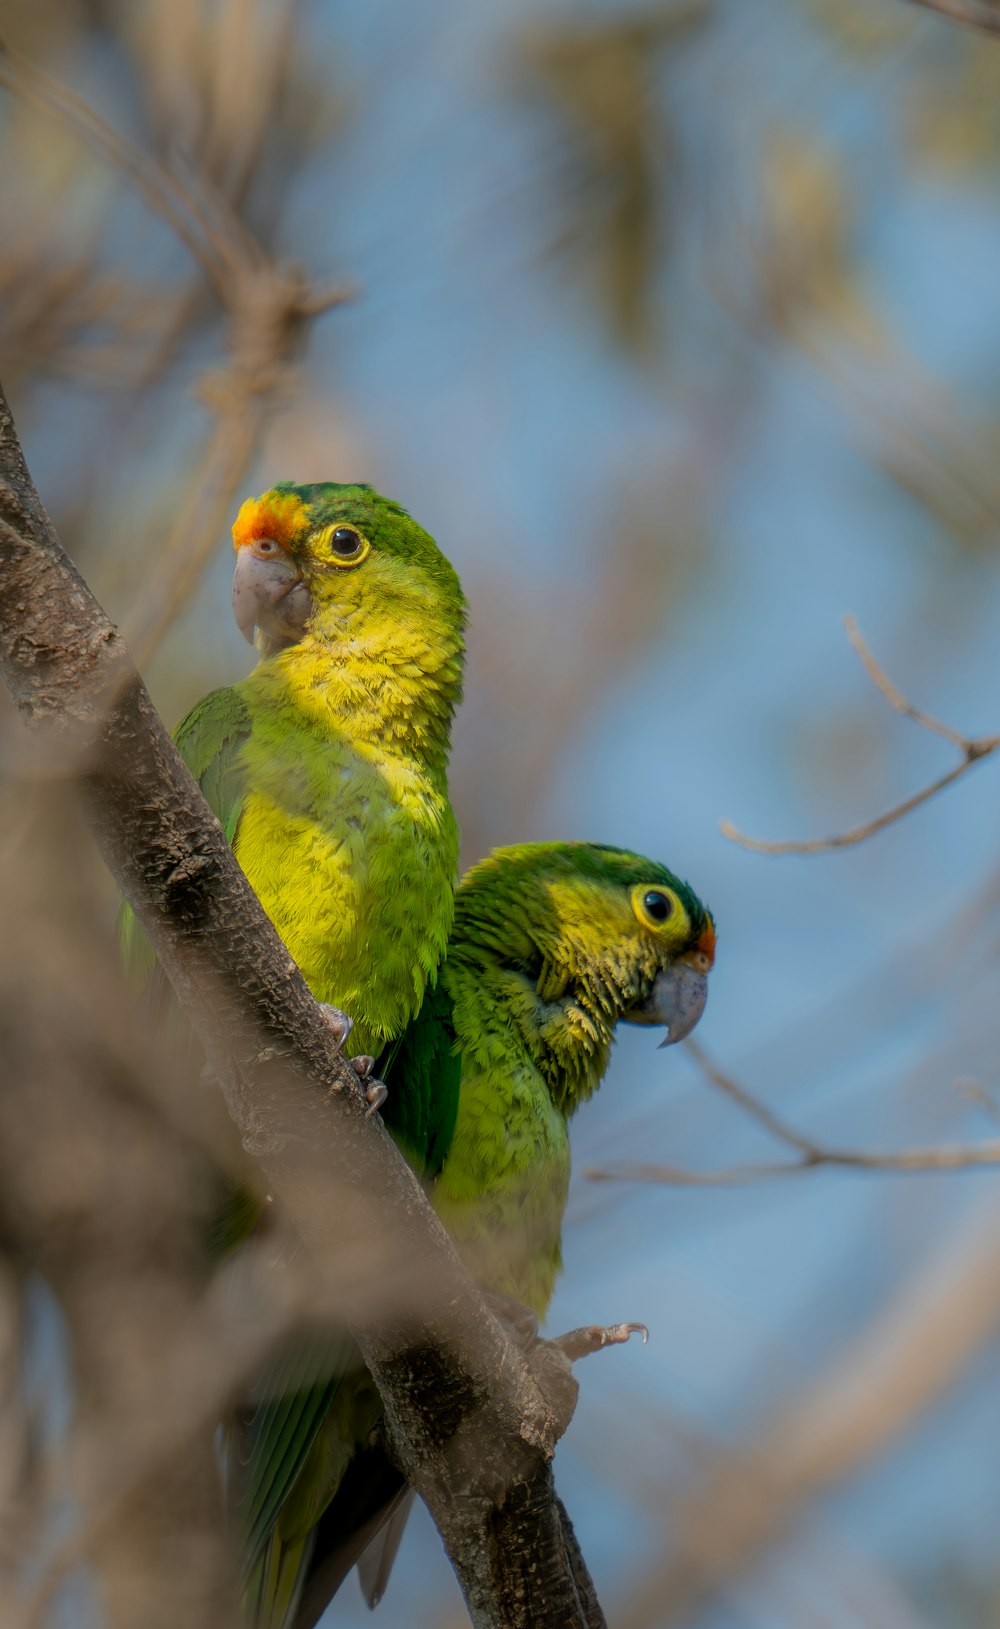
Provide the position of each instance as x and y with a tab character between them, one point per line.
613	936
306	553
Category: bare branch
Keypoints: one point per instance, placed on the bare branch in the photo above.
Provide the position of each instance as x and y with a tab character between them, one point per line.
161	191
971	749
809	1153
751	1105
204	501
431	1345
977	14
267	304
854	834
911	1353
893	695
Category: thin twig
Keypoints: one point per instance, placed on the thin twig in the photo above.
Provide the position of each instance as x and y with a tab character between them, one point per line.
194	531
267	305
971	748
914	1349
751	1105
977	14
893	695
157	186
809	1153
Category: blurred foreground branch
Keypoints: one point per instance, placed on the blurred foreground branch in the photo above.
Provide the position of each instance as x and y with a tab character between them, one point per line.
809	1153
267	305
972	751
978	14
472	1425
912	1352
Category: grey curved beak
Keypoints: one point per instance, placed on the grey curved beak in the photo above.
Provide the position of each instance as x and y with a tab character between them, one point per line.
677	999
269	595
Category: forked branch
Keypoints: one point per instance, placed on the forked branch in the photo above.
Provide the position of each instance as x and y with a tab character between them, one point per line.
808	1153
971	749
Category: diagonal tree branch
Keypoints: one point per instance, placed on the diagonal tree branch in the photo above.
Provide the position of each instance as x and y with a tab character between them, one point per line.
268	306
473	1425
863	1400
977	14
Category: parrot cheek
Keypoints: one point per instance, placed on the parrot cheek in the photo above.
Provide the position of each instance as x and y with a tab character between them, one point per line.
677	999
269	595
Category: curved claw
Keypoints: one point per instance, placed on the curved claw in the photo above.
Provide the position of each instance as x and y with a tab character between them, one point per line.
620	1333
595	1337
376	1091
375	1095
337	1021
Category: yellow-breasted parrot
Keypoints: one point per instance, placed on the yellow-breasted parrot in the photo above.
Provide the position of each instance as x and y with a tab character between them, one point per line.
553	944
327	765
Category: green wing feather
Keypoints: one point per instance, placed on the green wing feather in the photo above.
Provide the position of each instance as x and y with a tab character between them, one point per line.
423	1072
302	1450
293	1455
287	1457
209	740
297	1390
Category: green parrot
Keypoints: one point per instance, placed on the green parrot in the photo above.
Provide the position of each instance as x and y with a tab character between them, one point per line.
327	766
553	944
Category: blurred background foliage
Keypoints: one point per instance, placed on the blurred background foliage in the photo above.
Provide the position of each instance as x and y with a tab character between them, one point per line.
679	326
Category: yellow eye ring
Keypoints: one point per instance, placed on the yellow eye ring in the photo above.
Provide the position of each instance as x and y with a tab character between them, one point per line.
344	546
657	908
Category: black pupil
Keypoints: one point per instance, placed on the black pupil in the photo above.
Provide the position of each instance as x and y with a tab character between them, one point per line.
346	541
658	906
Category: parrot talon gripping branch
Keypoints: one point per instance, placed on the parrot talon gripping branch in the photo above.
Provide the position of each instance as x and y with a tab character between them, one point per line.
375	1091
582	1342
340	1024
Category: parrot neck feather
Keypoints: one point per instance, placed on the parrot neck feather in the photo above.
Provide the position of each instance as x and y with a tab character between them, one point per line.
377	677
346	832
567	1037
527	1063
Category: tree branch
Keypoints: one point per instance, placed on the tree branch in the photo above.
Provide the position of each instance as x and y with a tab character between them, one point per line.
474	1426
972	751
267	304
809	1153
977	14
869	1393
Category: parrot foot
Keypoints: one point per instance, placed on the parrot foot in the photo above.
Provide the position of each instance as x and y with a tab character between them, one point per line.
580	1343
376	1091
337	1022
521	1319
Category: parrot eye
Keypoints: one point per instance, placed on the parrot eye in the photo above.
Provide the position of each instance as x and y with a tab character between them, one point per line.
657	906
346	542
346	546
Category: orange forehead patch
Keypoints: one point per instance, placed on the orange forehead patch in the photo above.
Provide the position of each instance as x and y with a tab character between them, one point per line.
280	515
706	940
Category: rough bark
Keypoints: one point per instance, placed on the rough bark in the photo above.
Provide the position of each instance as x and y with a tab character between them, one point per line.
473	1424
